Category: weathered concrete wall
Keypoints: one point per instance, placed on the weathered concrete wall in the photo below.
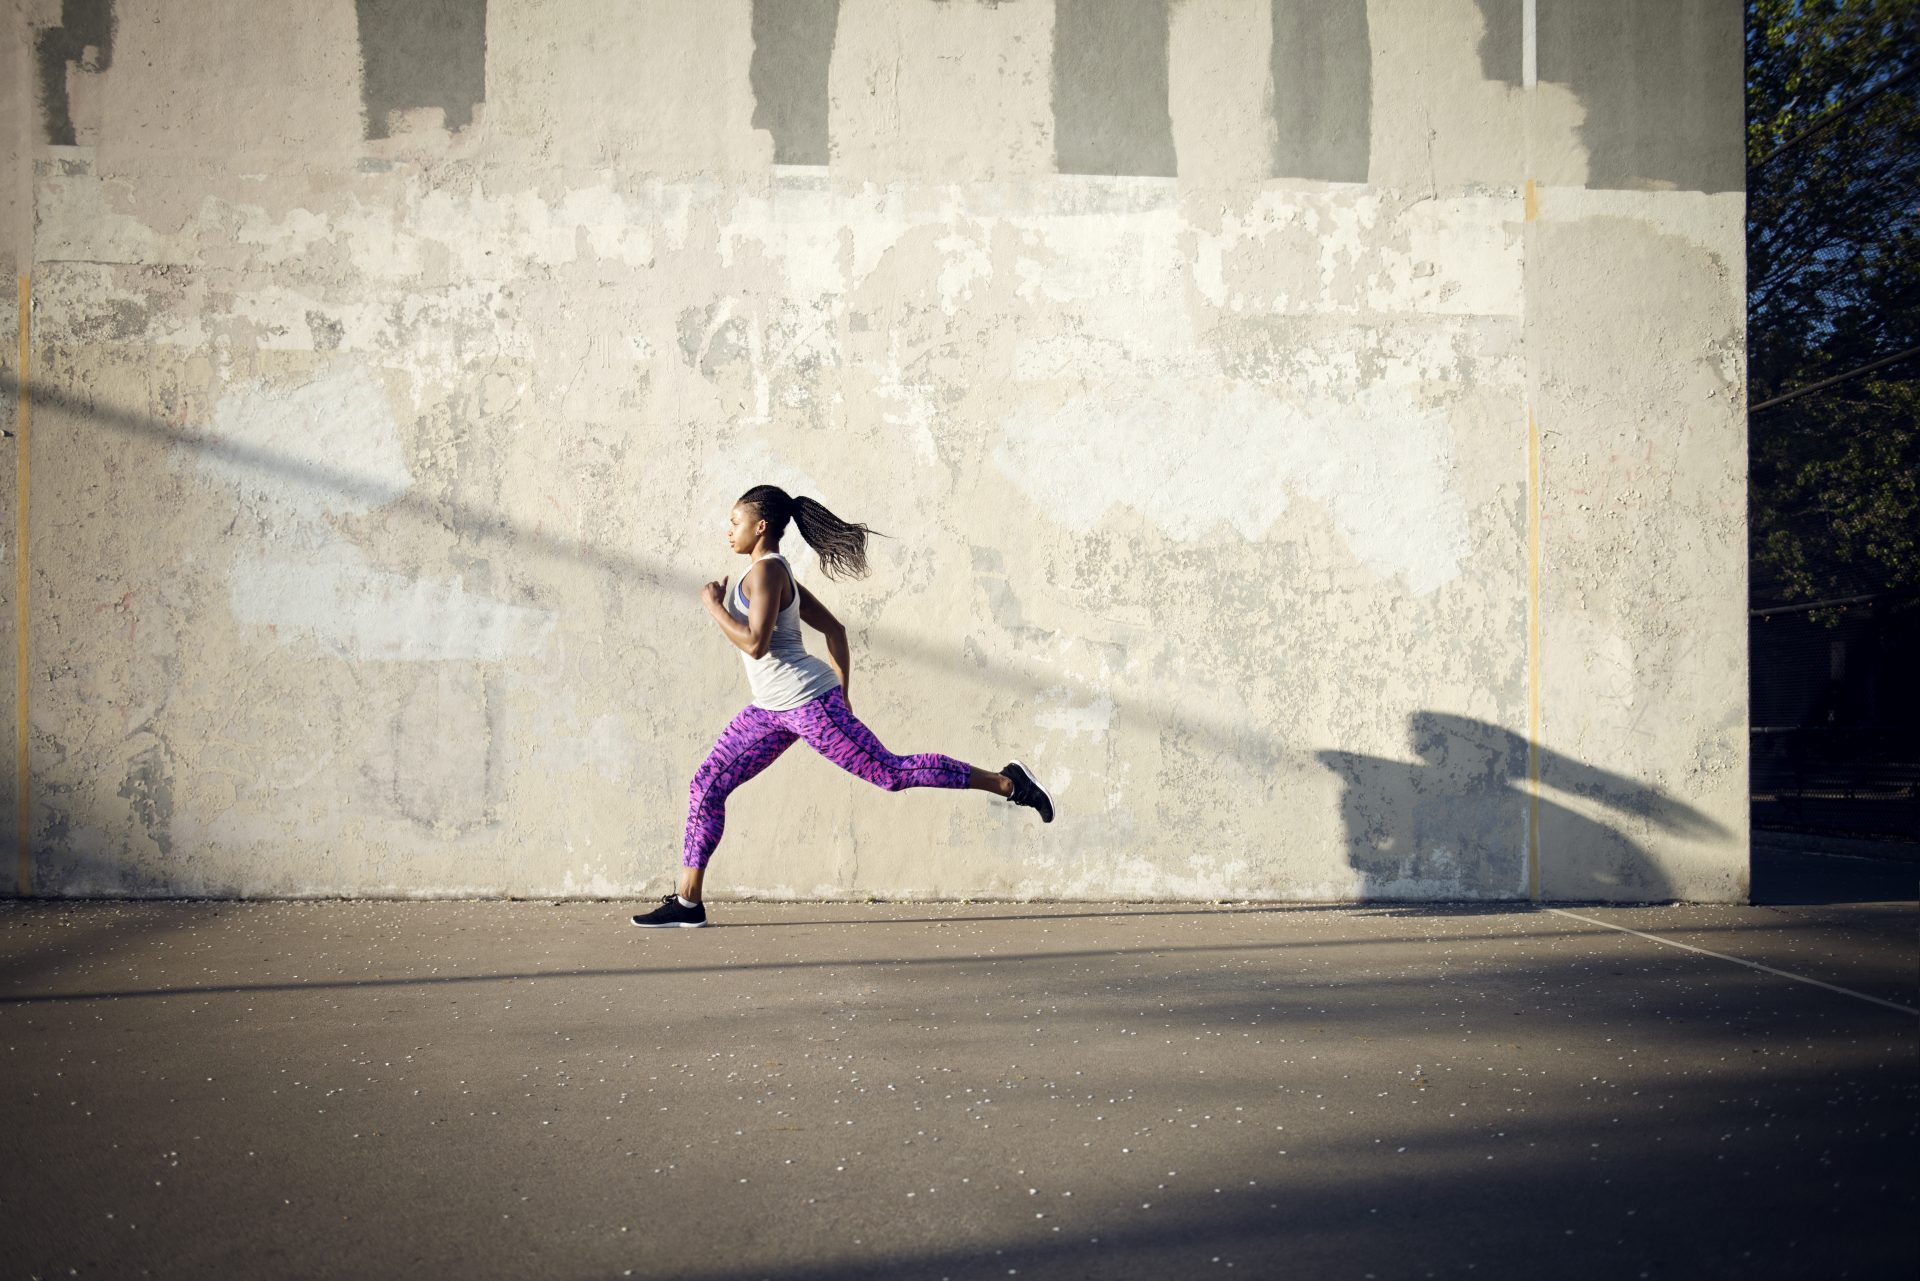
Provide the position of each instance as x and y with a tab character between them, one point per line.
1312	436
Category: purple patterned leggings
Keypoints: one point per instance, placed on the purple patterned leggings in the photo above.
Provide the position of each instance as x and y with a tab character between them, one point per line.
755	739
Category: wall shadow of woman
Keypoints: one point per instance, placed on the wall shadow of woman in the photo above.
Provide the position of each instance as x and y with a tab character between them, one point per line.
1453	824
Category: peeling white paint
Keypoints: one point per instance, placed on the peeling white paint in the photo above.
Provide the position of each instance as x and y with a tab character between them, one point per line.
1459	255
1095	718
1376	459
798	229
76	223
966	262
916	410
331	446
330	595
296	454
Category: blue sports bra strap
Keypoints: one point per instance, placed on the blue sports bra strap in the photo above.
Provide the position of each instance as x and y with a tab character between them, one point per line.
782	558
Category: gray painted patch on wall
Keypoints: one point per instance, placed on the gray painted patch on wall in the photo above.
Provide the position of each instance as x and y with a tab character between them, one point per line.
422	53
1110	87
84	25
1322	89
148	789
792	47
1662	82
1503	23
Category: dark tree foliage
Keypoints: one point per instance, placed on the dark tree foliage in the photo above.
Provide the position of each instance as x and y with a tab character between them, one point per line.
1833	283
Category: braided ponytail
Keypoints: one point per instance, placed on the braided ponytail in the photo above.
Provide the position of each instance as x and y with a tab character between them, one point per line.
841	545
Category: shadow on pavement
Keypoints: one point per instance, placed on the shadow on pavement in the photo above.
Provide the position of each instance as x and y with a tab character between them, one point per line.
1784	876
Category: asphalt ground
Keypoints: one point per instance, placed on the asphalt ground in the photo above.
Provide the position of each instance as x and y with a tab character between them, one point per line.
965	1090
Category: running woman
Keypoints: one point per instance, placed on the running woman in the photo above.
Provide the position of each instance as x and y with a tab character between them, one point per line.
797	694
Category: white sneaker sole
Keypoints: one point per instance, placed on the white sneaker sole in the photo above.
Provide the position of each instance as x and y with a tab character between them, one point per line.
669	925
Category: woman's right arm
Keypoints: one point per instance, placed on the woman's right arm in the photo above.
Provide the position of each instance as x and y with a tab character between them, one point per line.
821	619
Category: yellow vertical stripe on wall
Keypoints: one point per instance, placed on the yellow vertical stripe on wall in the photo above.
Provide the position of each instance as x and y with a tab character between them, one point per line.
23	868
1531	211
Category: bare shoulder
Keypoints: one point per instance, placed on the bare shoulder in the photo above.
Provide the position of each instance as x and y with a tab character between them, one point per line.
755	579
770	576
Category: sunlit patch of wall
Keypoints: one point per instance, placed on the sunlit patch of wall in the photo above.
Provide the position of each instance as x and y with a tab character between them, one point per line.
392	379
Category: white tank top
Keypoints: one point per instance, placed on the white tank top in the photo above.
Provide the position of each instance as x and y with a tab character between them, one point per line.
786	676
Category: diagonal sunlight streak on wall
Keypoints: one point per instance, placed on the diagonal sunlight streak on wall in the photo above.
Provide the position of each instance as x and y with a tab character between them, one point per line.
471	521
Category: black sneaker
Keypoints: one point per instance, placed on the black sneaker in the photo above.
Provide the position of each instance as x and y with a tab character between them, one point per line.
671	913
1028	792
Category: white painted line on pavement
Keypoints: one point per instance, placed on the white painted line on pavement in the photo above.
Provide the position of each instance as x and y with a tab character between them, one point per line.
1846	991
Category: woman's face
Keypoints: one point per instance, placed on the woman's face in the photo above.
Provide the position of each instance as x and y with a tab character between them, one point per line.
743	528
